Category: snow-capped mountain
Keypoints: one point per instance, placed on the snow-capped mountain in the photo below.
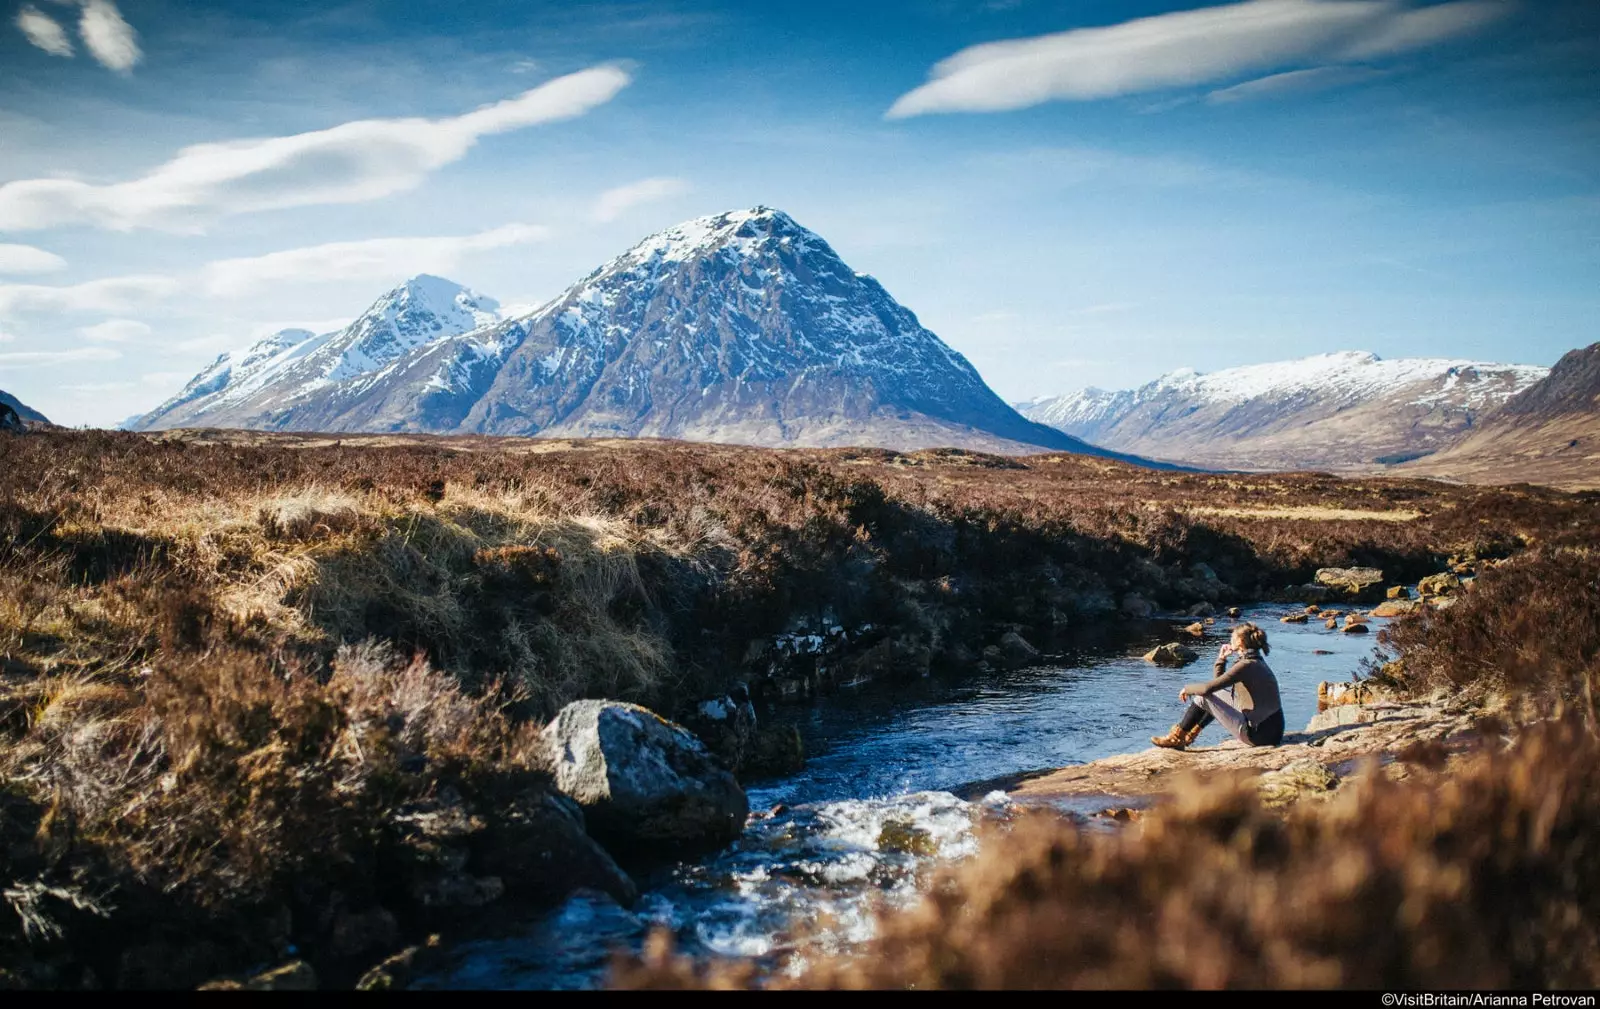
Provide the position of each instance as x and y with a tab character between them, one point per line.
1342	411
737	327
1548	433
288	366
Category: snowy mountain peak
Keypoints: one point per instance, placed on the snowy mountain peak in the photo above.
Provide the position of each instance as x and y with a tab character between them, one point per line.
742	231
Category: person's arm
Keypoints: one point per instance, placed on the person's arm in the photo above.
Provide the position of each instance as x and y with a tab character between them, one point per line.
1222	678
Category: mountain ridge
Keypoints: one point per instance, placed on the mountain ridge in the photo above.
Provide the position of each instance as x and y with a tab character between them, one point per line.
741	327
1344	411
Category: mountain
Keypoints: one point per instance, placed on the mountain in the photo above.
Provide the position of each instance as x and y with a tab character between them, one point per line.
293	365
1548	433
738	327
28	414
1343	411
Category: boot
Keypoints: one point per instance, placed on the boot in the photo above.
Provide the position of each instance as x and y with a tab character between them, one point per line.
1190	736
1176	738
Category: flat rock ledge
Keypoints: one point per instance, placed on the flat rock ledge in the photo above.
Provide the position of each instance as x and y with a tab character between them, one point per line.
1339	739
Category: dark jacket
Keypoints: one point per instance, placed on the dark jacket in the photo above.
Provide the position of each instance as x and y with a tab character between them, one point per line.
1255	689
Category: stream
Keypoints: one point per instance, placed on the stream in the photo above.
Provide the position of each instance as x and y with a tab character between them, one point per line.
876	809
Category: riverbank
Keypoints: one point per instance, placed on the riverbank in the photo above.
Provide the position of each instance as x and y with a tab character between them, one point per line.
1339	744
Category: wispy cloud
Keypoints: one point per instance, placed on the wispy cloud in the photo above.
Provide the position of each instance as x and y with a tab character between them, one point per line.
1184	49
108	36
42	358
353	162
15	259
107	296
374	259
44	31
1295	81
115	331
613	203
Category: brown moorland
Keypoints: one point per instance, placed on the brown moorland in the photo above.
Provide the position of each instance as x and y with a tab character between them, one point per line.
246	680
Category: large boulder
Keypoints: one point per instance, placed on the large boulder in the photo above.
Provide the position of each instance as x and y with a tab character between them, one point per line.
537	845
1394	608
1172	654
1015	650
647	786
1353	583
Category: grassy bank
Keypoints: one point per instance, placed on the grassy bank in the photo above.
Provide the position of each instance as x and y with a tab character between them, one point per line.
248	683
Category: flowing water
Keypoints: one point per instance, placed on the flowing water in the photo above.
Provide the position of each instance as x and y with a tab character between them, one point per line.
878	808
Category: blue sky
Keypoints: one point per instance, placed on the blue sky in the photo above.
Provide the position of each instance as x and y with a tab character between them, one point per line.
1069	193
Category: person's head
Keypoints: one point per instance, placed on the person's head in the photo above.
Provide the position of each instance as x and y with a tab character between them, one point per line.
1249	637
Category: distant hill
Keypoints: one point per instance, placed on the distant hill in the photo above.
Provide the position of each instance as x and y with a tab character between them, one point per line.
28	414
1349	411
1549	433
739	327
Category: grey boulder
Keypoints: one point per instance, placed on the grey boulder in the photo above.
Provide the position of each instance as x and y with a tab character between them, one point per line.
646	785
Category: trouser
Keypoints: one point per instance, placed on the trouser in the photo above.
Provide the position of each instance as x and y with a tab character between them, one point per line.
1202	711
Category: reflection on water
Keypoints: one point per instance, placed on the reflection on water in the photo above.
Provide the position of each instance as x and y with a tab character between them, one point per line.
872	813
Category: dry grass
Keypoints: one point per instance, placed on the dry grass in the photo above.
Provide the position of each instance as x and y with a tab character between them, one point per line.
189	743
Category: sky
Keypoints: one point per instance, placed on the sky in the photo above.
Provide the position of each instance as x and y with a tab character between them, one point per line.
1075	193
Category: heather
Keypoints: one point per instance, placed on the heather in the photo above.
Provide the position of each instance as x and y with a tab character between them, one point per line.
260	693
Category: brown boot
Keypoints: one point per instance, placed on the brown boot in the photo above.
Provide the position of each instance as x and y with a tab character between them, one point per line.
1175	739
1193	734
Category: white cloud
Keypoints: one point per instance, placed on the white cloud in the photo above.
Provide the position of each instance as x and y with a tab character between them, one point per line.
108	37
375	259
166	378
613	203
108	296
115	331
1182	49
87	388
1313	79
43	358
16	259
44	31
353	162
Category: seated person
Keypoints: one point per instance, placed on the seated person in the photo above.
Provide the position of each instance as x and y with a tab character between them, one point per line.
1244	699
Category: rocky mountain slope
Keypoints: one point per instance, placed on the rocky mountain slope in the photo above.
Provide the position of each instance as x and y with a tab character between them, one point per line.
739	327
1548	433
27	413
1343	411
262	386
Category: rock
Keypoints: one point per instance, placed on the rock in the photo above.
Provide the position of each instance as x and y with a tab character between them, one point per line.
1172	654
1313	609
1137	607
1234	611
1200	610
1210	621
1016	651
645	784
1195	630
1331	623
358	932
1391	608
1350	628
1442	602
1399	592
1294	781
1330	614
1295	618
537	845
1438	585
1308	594
1333	695
906	838
1353	583
1355	618
725	724
774	750
456	890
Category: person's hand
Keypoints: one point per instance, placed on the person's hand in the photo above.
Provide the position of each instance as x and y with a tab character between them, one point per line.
1226	650
1183	695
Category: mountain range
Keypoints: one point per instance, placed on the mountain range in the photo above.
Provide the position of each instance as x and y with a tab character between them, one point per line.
738	327
1348	411
27	414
